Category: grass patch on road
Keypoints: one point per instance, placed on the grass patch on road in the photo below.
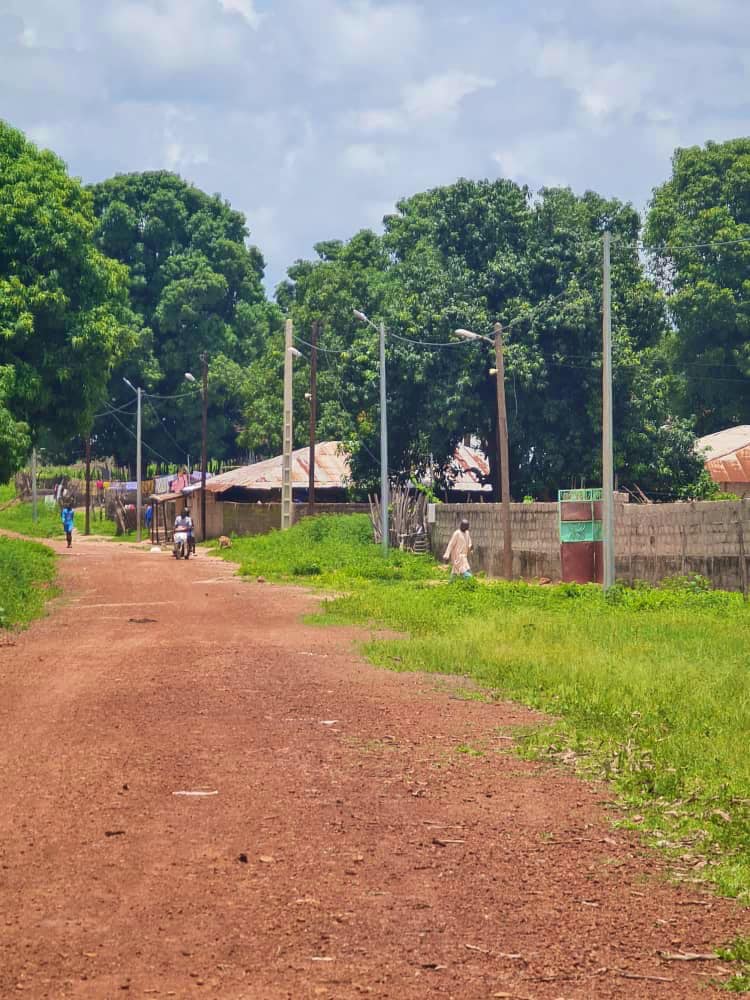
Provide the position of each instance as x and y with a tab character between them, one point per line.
27	573
651	687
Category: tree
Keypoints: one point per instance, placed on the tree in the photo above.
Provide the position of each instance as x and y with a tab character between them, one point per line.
197	287
694	230
468	255
64	316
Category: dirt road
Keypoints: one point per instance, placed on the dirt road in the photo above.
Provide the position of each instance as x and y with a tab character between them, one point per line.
342	845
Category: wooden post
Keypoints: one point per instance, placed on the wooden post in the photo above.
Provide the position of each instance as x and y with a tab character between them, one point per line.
204	444
87	517
743	558
287	431
313	416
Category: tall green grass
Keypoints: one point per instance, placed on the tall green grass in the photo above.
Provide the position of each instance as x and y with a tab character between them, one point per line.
19	518
27	572
651	687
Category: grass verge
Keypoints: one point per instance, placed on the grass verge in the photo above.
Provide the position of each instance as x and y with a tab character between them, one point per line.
650	688
27	573
19	518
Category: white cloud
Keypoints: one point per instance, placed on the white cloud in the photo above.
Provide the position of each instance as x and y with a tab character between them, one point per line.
604	86
441	94
316	118
364	156
245	8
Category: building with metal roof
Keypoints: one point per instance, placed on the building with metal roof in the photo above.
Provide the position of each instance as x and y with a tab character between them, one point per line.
727	457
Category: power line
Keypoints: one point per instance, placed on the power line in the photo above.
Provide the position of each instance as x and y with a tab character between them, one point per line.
325	350
180	449
144	443
119	409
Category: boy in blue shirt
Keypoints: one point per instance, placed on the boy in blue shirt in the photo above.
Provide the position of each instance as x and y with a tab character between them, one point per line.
67	523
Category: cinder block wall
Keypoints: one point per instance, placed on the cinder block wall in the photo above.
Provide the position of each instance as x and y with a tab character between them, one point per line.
536	546
260	518
652	540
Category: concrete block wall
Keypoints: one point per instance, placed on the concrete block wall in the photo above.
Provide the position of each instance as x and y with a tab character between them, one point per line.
260	518
652	541
536	546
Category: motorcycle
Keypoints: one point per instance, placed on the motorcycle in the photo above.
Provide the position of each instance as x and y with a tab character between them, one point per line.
181	547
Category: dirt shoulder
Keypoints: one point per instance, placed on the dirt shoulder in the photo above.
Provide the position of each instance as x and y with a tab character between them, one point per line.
343	845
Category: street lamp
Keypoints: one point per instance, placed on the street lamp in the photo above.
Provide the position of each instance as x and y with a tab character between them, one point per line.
383	432
138	440
502	434
189	377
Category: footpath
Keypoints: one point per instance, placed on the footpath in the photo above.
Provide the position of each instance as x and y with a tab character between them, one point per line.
202	796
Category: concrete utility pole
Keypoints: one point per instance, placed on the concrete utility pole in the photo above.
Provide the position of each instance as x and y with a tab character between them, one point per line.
286	461
204	443
608	484
313	416
34	498
502	435
384	491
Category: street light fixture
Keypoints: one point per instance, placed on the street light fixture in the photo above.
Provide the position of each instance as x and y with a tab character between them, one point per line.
383	431
138	445
502	434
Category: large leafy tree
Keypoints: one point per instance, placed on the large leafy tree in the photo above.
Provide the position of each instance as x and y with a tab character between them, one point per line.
698	231
468	255
64	316
197	287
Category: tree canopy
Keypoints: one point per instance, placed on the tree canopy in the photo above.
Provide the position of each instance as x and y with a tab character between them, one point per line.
64	311
698	231
197	287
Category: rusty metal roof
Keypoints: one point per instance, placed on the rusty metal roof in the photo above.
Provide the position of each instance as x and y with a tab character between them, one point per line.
465	471
727	454
331	471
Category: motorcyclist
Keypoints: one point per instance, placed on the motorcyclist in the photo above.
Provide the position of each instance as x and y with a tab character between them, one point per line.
184	524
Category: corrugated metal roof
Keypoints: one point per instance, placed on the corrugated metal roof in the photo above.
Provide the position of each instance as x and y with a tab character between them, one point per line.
331	471
724	442
727	454
468	466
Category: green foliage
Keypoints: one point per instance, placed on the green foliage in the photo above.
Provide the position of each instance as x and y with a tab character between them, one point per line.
27	572
651	685
707	199
704	488
737	951
328	551
64	317
19	518
196	287
464	256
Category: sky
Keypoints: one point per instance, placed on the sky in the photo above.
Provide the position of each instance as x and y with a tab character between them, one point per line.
314	117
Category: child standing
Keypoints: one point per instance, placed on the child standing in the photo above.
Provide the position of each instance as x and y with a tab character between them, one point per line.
67	523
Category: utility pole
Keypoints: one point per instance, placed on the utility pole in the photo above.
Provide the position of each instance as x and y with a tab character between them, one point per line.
502	438
87	516
608	485
313	416
286	461
383	445
34	504
139	483
204	443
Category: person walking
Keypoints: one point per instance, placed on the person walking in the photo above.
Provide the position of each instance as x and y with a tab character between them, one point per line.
458	551
67	523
